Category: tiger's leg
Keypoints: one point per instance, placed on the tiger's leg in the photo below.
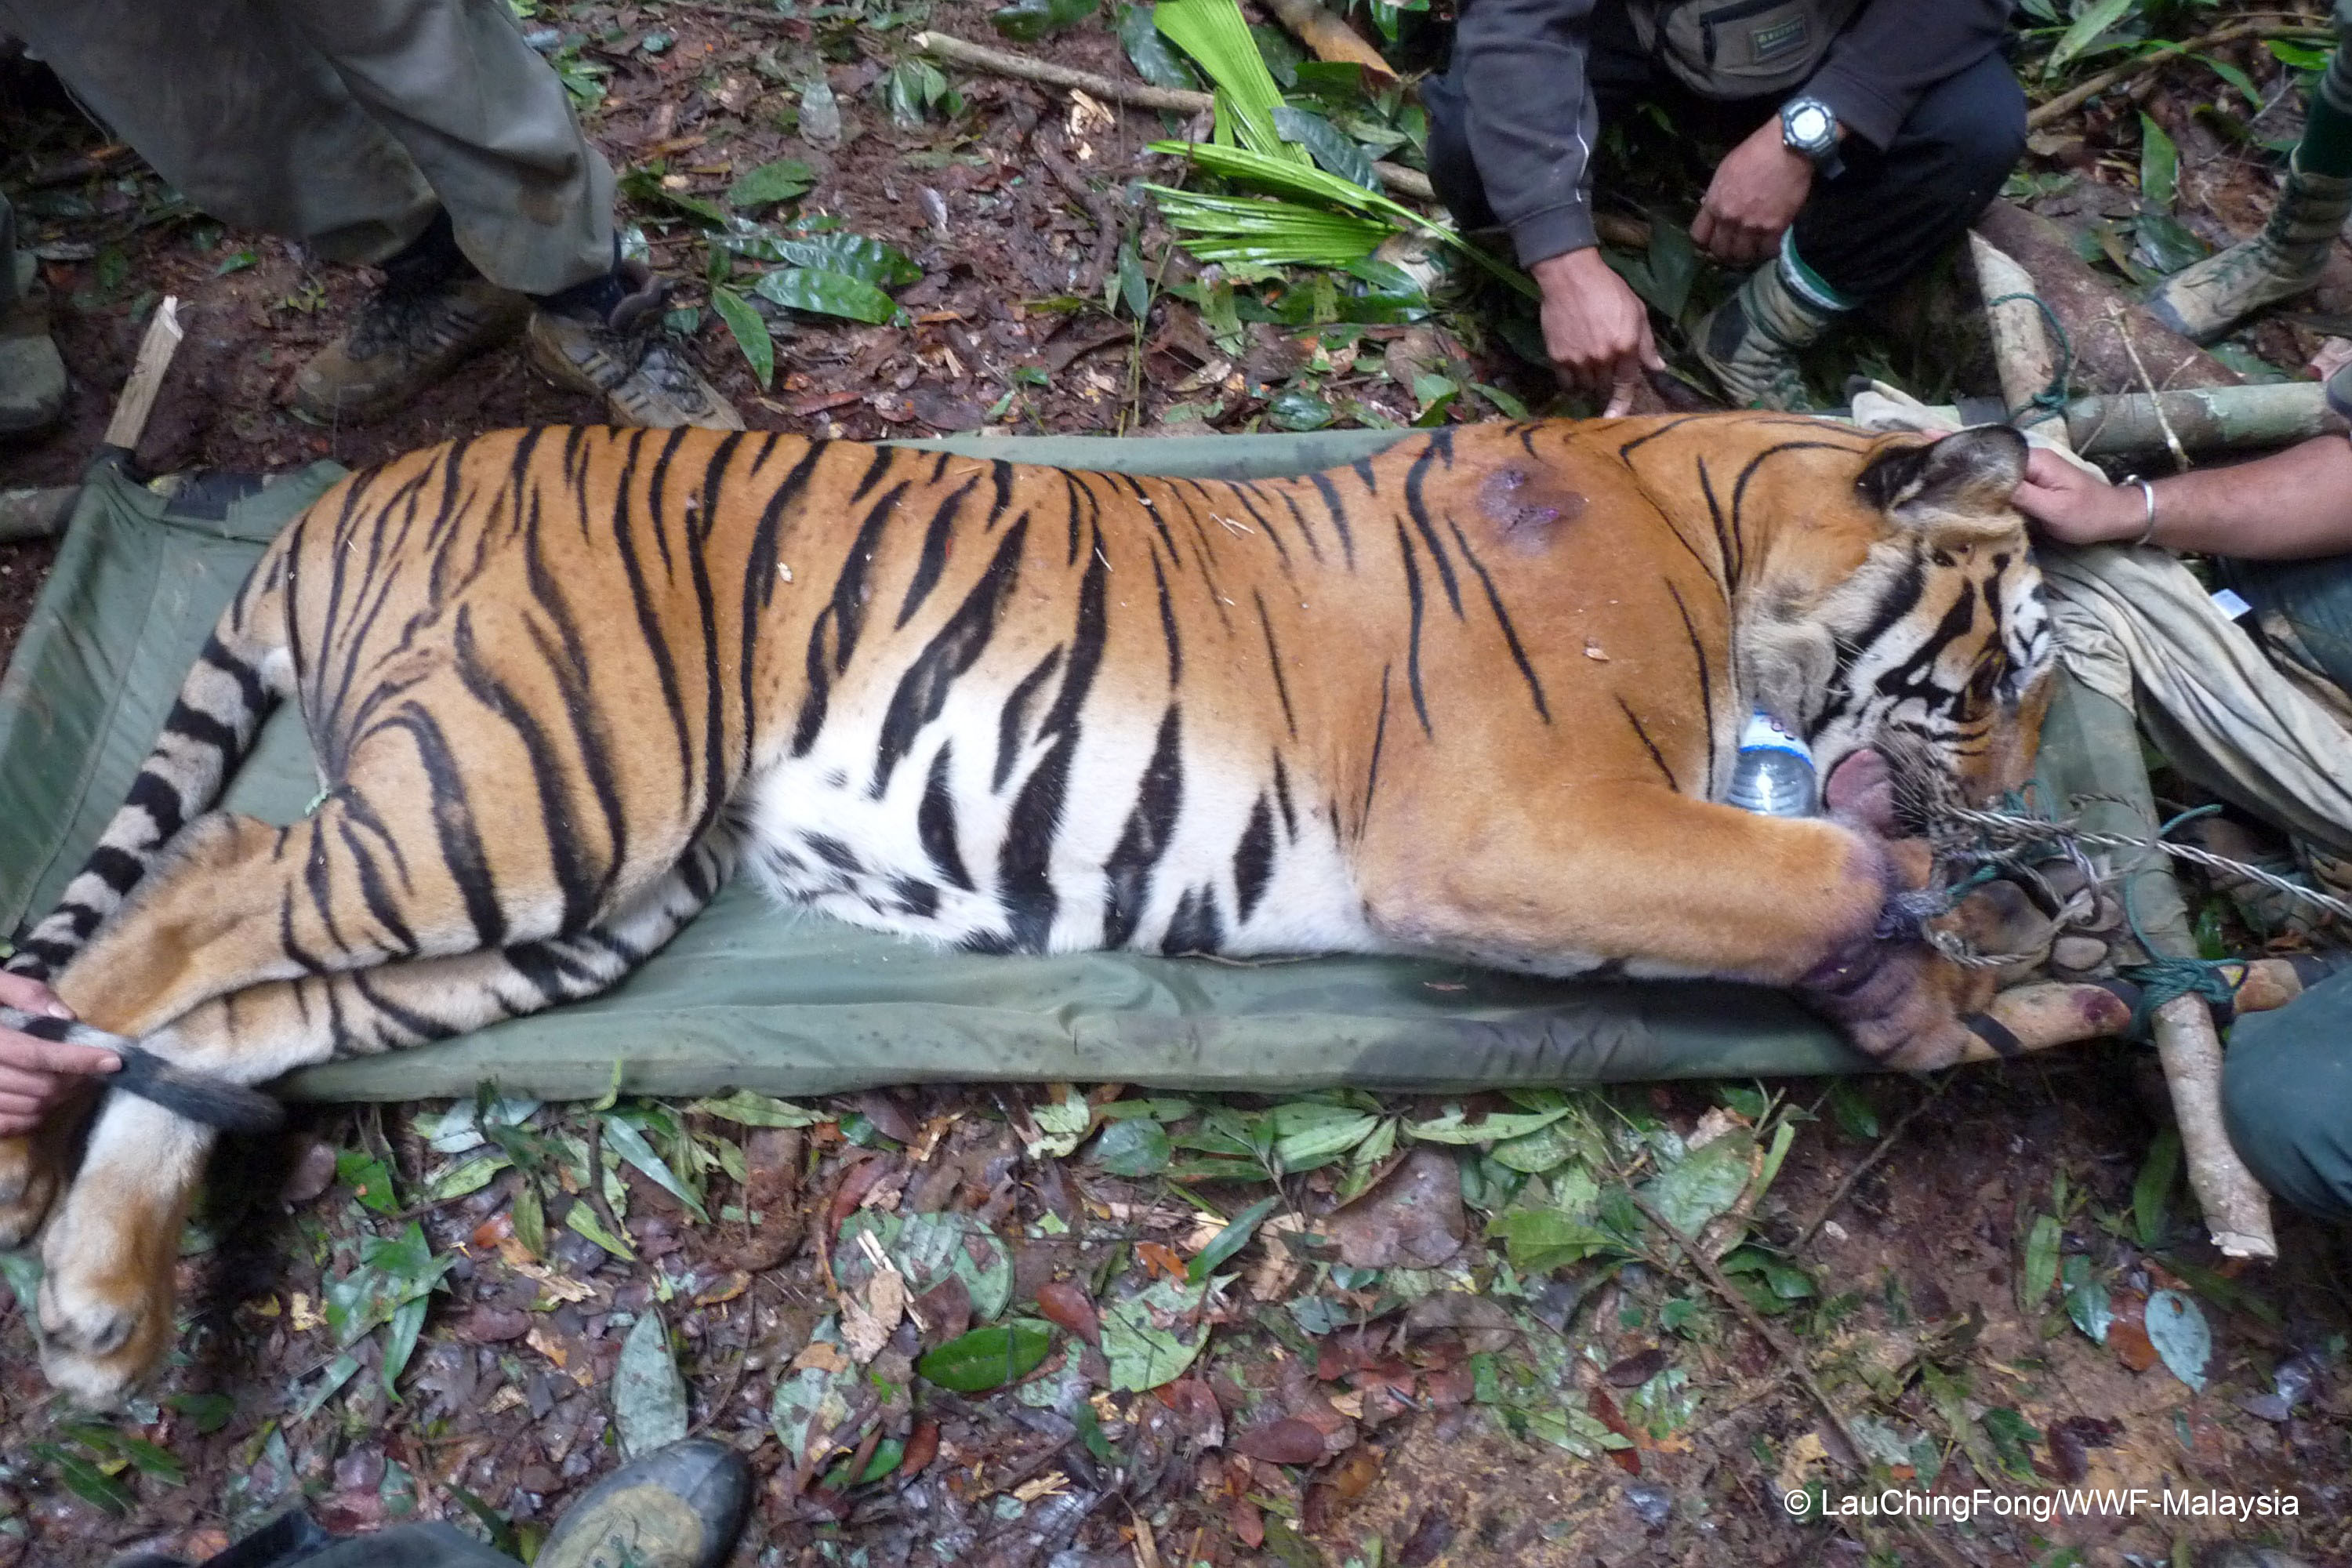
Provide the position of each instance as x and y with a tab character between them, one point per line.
1663	884
105	1307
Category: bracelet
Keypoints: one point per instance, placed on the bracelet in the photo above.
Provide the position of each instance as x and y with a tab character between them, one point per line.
2147	494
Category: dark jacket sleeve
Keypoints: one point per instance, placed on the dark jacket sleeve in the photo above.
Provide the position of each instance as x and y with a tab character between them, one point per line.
1531	124
1893	51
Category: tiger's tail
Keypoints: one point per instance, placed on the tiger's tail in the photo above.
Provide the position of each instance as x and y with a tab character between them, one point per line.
233	686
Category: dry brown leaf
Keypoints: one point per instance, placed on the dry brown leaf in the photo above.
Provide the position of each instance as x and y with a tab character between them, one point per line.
1052	1484
1276	1271
548	1345
823	1355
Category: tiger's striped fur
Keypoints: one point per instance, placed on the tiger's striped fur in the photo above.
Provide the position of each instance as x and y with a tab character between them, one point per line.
1476	696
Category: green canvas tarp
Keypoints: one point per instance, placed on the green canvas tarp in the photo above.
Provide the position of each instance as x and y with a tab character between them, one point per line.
759	996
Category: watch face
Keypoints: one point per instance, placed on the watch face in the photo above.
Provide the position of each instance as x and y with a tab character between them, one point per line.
1809	125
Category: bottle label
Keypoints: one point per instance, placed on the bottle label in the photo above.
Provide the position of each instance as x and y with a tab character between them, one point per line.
1766	733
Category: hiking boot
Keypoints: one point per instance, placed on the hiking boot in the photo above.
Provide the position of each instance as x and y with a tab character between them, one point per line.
679	1507
1749	342
2205	301
409	335
622	355
32	376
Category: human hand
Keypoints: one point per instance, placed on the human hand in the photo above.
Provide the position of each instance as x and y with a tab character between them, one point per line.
1595	326
36	1074
2333	355
1753	198
2077	508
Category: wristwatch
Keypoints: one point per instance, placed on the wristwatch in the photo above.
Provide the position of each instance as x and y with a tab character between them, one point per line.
1809	129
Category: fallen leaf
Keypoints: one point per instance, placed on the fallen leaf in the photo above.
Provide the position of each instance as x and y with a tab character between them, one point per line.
648	1396
1051	1485
1411	1218
2128	1332
1249	1525
1159	1259
922	1447
547	1344
1061	1303
821	1355
301	1316
1288	1441
1197	1411
731	1284
1276	1270
492	1325
1601	1406
1636	1370
1486	1328
944	1310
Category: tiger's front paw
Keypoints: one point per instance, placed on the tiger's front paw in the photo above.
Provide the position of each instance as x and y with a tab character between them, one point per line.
29	1181
105	1304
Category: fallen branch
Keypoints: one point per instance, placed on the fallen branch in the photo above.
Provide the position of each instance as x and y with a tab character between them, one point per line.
1411	183
2074	98
2237	1210
2029	367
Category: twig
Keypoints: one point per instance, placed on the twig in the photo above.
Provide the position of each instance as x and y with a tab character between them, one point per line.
1786	1348
2074	98
1870	1162
2172	439
1107	228
1411	183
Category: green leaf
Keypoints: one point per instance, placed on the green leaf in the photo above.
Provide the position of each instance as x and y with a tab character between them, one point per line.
1063	1125
581	1219
235	262
22	1269
988	1358
2087	1303
400	1342
1312	1133
2171	244
826	294
1137	1146
2152	1190
1542	1149
623	1137
648	1396
370	1182
2177	1328
645	186
1154	61
1452	1126
1027	21
2234	76
1674	266
1332	150
466	1176
1134	288
1538	1241
2041	1270
750	1110
1299	410
1213	33
2159	165
2088	26
207	1413
1243	231
2302	57
854	255
779	181
497	1526
1505	404
811	1402
529	1215
1230	1240
1707	1182
1851	1111
1143	1355
84	1479
2011	1435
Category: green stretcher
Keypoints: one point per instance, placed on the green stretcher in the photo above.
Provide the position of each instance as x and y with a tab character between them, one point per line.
754	996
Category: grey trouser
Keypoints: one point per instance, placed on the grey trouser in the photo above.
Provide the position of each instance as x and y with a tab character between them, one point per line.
345	123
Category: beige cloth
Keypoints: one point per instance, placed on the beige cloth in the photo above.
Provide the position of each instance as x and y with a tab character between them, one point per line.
343	124
2137	625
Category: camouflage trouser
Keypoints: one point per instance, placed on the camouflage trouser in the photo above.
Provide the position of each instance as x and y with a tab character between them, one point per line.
346	123
2286	1085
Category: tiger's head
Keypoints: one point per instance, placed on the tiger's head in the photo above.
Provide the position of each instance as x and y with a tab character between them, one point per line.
1905	615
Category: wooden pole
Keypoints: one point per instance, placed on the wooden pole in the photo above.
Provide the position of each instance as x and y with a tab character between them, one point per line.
139	393
2022	351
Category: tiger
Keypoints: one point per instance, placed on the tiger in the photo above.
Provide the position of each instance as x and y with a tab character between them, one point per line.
1478	697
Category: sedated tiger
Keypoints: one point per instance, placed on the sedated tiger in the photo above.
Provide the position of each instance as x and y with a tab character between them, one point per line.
1477	697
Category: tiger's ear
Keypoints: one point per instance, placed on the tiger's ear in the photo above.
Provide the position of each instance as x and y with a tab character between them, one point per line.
1961	484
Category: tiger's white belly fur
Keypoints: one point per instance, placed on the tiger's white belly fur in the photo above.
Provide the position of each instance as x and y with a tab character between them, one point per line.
818	836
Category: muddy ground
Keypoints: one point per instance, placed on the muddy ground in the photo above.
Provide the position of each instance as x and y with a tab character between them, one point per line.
1614	1409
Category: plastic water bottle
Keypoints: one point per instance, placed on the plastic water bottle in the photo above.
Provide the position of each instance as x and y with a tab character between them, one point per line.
1774	775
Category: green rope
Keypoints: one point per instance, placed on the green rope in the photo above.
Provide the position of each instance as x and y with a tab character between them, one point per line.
2163	979
2051	401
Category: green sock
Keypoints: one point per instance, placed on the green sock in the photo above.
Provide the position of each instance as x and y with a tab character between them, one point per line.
2326	144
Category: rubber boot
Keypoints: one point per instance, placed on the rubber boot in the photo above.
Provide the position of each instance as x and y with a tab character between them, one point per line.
1749	342
2209	299
679	1507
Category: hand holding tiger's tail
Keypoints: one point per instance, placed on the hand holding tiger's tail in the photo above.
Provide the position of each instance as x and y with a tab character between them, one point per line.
36	1074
